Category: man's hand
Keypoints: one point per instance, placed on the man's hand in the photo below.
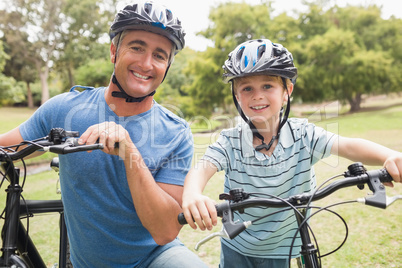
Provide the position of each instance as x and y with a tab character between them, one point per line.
114	137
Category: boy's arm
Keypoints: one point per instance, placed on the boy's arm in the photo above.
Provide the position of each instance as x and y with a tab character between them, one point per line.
369	153
196	206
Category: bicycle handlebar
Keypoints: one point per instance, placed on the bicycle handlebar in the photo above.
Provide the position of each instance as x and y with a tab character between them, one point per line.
58	141
356	176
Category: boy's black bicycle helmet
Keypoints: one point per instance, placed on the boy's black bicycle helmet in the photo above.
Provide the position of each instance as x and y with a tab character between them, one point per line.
151	17
260	57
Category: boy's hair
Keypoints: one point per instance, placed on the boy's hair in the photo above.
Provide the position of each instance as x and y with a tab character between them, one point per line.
274	78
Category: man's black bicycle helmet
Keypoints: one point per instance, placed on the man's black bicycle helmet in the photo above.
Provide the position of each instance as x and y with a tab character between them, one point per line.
260	57
152	17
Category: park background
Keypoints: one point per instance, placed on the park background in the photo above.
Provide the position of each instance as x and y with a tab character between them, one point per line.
349	62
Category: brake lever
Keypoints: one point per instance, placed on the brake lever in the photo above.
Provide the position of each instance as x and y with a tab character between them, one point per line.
221	233
391	200
379	198
387	202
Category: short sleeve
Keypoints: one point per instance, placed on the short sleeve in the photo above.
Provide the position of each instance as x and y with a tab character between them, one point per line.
217	153
175	168
320	142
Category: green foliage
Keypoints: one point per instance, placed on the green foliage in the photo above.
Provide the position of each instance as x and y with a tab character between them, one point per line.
95	73
205	90
3	56
172	92
11	91
346	60
314	22
53	36
85	38
233	23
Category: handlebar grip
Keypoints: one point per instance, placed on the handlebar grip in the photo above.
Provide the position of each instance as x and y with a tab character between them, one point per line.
71	146
219	208
384	176
182	220
82	148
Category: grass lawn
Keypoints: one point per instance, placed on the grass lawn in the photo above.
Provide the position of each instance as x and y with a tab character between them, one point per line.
375	235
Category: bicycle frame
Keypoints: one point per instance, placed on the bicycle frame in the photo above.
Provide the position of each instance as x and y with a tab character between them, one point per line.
15	236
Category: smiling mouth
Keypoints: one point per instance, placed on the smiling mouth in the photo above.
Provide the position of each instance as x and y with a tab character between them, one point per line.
259	107
140	76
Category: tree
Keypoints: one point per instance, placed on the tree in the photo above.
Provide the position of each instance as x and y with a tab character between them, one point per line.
56	33
20	64
232	23
95	72
339	69
10	90
3	56
172	92
85	35
43	19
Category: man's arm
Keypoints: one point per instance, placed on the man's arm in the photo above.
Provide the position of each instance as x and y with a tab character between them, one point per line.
157	204
11	138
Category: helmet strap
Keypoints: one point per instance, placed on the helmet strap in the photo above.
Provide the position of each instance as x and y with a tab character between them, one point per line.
263	145
124	95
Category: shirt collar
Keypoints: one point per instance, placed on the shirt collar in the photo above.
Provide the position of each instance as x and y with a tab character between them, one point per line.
286	140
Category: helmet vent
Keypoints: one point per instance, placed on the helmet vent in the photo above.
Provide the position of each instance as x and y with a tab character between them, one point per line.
147	8
259	57
260	51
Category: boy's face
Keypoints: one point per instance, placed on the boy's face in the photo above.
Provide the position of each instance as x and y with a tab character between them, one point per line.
261	98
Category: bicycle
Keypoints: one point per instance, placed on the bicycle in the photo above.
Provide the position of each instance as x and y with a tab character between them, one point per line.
18	249
238	200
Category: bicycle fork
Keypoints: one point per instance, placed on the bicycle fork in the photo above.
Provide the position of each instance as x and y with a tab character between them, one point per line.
11	225
308	251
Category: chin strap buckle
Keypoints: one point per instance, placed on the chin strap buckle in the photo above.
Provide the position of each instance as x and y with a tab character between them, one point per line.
122	94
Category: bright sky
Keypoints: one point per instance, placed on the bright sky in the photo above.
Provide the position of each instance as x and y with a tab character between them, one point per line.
194	14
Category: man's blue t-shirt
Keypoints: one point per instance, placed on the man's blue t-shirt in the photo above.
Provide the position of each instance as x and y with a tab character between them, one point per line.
103	227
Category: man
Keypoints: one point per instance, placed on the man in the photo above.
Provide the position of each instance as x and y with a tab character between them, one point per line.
121	205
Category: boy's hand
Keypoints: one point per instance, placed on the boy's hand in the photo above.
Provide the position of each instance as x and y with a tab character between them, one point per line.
393	165
201	210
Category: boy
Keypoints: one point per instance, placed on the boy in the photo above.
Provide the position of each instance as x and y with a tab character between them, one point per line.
262	76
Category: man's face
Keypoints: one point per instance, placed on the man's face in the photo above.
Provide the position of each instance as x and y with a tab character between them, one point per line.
142	61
